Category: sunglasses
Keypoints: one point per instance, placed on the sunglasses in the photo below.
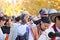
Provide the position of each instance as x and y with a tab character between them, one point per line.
45	14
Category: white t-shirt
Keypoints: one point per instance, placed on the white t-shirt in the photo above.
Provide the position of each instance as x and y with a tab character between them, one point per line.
1	35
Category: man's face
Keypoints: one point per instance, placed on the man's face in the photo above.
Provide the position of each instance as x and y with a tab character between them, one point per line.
58	21
45	14
26	17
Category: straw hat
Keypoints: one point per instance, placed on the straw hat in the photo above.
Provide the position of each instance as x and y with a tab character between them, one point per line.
53	15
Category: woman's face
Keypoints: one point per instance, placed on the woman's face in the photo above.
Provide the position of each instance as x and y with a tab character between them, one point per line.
44	26
2	23
9	22
58	22
47	25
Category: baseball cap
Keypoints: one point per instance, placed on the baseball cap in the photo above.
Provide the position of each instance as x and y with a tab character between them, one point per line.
43	10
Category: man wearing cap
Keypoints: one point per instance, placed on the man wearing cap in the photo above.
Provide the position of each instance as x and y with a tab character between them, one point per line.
34	31
55	17
18	29
49	13
43	13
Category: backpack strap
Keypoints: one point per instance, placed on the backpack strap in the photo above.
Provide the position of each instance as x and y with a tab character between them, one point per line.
20	37
54	27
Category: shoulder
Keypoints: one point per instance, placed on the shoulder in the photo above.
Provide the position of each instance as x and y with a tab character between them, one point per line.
44	35
50	29
1	33
21	30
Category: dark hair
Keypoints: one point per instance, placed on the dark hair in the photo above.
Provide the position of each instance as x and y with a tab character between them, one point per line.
2	18
7	20
17	19
5	16
22	18
45	20
30	18
13	18
56	17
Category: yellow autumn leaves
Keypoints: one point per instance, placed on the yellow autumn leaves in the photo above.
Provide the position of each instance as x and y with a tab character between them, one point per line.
33	6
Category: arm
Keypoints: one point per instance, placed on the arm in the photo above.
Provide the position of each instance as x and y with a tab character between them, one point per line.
34	33
30	36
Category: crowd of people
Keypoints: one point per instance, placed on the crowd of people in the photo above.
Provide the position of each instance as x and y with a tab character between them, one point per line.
46	26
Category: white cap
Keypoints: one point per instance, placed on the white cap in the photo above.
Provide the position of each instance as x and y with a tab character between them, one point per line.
26	12
52	11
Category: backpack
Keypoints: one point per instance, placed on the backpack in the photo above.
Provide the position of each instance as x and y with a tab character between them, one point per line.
24	37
